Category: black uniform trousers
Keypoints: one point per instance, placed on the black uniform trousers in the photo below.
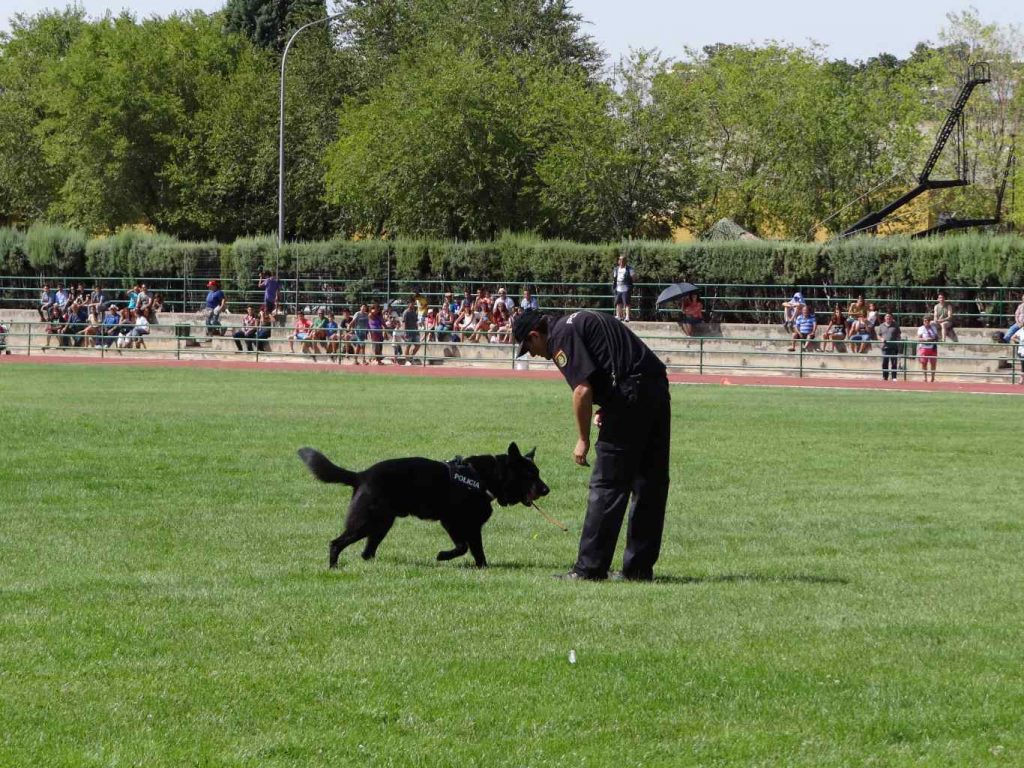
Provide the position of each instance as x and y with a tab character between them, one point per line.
632	458
890	360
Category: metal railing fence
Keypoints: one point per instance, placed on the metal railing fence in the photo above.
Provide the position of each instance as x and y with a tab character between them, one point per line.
974	306
694	354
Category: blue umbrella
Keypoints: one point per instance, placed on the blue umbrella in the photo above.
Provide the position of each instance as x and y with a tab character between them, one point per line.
676	291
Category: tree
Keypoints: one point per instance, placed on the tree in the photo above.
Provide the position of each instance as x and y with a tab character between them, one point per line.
269	23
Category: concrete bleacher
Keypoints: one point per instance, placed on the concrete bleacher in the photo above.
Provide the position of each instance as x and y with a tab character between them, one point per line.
733	349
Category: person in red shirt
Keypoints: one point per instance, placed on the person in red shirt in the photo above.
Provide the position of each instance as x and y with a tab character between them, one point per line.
300	332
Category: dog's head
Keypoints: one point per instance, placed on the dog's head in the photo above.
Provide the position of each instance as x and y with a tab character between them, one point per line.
518	478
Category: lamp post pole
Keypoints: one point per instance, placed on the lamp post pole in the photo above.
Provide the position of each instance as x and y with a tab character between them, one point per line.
280	145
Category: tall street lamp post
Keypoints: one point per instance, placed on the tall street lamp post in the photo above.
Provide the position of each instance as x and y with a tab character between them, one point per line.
280	146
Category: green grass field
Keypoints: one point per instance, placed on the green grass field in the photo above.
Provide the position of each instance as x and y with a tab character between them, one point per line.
840	583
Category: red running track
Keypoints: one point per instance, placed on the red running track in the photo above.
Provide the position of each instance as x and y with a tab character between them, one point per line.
509	373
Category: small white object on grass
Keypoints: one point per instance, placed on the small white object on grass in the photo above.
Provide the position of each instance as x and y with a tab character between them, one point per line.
572	655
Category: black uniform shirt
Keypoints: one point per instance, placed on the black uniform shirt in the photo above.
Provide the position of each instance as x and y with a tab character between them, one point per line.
594	347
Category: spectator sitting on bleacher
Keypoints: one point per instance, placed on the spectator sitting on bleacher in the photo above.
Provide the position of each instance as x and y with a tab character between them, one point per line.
942	314
505	299
247	333
53	325
156	308
873	318
300	332
430	326
46	302
125	325
860	335
834	332
332	334
790	311
90	333
501	329
804	328
856	309
97	298
318	333
136	336
529	301
264	327
108	331
693	313
1018	323
445	322
62	298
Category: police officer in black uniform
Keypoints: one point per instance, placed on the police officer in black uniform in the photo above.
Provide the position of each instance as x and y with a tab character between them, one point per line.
607	365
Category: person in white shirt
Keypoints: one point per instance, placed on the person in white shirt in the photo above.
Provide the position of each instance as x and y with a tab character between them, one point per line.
529	301
622	285
927	349
1018	337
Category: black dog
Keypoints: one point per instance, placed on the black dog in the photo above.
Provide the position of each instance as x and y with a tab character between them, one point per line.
457	493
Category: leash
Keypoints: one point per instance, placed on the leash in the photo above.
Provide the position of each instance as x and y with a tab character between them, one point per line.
550	519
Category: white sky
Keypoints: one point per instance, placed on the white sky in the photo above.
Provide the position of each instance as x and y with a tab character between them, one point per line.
850	30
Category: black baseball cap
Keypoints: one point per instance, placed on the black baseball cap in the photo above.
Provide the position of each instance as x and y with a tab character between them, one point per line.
530	320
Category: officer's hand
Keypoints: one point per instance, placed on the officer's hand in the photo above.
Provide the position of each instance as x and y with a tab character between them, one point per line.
579	455
598	417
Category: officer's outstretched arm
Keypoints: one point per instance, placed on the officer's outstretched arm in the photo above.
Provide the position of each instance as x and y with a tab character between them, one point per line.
582	406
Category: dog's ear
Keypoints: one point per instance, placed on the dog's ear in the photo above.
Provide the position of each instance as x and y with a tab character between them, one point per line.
513	451
531	453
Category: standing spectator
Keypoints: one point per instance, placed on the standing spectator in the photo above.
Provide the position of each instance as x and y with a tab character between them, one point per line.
271	287
360	326
1018	336
790	311
834	332
873	318
927	349
889	334
804	328
942	314
156	307
143	301
375	332
395	326
1018	322
411	326
529	301
622	286
500	322
250	324
264	327
300	332
213	307
133	297
47	299
422	304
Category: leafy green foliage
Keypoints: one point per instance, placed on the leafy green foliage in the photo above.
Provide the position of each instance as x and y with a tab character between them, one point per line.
137	254
55	249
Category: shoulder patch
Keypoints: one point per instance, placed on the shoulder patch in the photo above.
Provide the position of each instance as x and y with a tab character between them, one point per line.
561	359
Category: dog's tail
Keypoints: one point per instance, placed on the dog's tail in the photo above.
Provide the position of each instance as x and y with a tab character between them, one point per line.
325	470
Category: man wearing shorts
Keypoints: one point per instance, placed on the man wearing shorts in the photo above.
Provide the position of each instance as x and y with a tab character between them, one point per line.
927	349
622	285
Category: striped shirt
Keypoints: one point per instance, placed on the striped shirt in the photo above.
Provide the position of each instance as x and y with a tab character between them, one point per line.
805	323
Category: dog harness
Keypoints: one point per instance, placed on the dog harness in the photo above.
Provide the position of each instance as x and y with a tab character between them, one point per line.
465	478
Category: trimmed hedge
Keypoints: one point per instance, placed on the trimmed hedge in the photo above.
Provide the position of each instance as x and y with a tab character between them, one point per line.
968	259
141	254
